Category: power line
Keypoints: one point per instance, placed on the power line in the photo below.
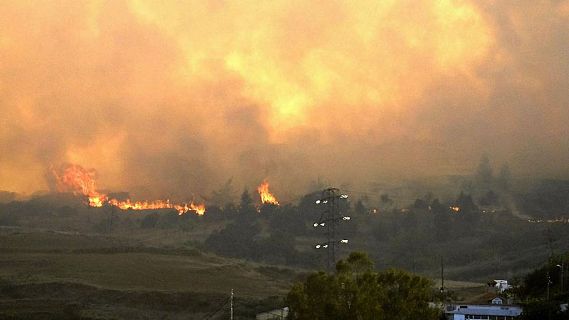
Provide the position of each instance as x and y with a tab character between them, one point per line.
367	193
329	219
210	315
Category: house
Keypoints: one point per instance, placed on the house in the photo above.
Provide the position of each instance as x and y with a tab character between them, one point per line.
482	311
498	300
491	298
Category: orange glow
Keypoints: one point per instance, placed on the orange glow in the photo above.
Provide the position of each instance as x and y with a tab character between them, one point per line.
97	200
178	95
183	208
455	209
329	55
199	209
76	179
266	195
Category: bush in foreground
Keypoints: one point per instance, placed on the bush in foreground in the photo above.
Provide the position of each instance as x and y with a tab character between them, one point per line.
357	292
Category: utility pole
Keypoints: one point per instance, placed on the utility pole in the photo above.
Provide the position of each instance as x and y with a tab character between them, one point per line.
562	276
329	218
549	238
231	316
111	218
562	267
548	283
442	275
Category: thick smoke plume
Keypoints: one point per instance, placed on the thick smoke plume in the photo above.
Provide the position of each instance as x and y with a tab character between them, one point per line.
171	98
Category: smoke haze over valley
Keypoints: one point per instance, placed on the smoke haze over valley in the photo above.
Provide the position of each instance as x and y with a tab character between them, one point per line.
173	98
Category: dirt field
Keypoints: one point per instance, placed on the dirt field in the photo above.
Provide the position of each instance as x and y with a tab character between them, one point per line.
49	275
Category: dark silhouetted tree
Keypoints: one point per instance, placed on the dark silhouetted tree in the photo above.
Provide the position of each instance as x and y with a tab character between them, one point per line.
247	210
469	212
533	291
505	177
442	221
223	197
385	201
484	172
489	199
420	204
235	240
360	208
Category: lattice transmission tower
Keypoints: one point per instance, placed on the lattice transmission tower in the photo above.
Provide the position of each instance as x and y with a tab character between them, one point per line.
331	215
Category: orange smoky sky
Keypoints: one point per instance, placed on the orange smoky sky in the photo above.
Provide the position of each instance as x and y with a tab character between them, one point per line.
175	97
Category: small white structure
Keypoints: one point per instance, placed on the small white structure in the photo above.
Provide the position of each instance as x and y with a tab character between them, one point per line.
482	312
497	300
502	285
277	314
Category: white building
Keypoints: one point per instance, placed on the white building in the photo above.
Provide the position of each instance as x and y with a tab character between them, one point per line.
482	312
497	300
502	285
277	314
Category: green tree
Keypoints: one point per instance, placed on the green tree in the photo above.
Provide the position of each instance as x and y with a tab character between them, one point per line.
357	292
537	302
356	264
237	239
539	310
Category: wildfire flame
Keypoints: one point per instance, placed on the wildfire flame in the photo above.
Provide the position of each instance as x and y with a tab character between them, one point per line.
79	180
266	195
76	179
199	209
455	208
158	204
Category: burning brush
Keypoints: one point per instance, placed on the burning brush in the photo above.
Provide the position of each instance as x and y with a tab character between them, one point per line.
78	180
266	196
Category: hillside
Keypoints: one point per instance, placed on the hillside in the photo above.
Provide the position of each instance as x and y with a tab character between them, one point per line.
55	273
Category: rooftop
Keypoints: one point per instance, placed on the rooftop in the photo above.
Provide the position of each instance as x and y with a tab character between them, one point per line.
484	309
